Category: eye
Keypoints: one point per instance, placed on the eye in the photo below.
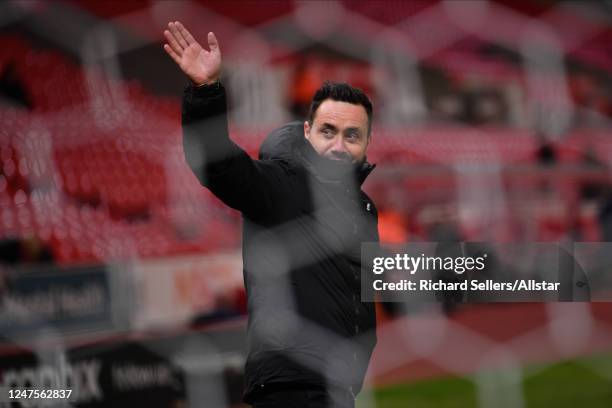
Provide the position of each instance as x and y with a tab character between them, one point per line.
352	136
327	132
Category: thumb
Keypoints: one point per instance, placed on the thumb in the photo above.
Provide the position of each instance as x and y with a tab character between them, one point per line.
213	44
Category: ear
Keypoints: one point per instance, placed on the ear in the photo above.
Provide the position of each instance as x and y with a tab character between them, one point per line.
307	130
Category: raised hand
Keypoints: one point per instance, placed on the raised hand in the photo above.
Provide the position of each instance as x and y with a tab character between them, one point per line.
200	65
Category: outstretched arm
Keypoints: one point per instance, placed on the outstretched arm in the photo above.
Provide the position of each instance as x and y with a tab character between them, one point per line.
220	165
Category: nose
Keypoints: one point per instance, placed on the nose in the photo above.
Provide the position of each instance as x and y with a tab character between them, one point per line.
338	148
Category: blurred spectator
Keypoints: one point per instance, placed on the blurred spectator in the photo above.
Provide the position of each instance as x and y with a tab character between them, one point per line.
546	154
12	91
448	239
29	250
605	215
392	226
306	80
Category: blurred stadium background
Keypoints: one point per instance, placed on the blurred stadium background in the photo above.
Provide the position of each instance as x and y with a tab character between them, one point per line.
121	275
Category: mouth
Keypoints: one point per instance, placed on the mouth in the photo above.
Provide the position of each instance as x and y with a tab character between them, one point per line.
340	159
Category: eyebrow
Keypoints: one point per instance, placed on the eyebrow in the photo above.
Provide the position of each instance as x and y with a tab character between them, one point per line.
334	128
329	125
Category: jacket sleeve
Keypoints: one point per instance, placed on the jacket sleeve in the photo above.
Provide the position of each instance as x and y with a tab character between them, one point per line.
219	164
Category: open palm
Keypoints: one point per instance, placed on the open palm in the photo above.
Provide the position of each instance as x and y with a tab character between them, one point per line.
200	65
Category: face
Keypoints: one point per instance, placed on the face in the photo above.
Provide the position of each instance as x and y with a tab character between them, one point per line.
339	131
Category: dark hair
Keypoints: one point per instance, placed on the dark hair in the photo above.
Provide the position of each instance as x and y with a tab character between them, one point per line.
341	92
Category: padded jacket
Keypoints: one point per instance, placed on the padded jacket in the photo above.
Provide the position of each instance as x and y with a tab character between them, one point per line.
304	219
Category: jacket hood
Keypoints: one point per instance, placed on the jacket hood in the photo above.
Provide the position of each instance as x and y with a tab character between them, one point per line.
289	144
281	142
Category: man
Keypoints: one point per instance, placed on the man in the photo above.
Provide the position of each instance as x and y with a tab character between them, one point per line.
309	335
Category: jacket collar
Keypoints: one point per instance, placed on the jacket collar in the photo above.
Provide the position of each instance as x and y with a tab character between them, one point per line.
331	171
289	144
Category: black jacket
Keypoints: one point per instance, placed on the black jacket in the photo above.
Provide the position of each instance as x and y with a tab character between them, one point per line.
304	219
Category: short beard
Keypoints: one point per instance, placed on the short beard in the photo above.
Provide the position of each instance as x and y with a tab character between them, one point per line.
346	158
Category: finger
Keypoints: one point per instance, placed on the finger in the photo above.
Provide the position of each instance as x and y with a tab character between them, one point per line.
213	44
173	30
185	33
173	43
178	35
172	54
